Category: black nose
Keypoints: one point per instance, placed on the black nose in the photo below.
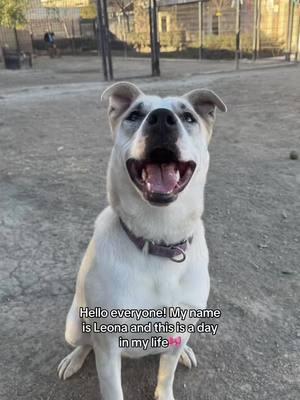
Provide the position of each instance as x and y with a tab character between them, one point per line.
162	131
160	118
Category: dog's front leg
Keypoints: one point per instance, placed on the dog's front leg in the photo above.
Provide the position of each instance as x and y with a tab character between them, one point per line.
167	367
108	363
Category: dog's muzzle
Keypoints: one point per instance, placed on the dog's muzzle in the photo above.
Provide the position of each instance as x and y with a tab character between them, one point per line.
161	130
161	173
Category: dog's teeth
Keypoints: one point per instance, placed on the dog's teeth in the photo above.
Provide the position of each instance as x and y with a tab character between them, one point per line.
144	175
177	175
149	186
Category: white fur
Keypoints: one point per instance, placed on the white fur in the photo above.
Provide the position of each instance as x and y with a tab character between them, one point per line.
115	274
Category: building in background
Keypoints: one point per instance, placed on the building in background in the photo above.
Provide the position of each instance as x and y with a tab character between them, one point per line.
178	24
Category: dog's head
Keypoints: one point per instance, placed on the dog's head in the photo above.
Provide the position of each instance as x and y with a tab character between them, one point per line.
162	142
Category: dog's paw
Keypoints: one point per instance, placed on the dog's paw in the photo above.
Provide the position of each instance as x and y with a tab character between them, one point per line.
72	363
188	357
163	395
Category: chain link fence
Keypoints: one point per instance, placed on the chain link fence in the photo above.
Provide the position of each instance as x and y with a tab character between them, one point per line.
186	29
207	29
15	39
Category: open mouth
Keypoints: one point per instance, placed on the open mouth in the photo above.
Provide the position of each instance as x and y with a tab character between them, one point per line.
160	177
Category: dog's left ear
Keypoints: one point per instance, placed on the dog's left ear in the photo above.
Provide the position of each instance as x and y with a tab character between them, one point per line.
205	102
120	96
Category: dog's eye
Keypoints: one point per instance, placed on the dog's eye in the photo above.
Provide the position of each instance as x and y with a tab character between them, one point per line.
134	116
188	117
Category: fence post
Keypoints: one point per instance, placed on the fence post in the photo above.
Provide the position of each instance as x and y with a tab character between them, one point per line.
298	37
155	40
255	21
17	40
108	44
258	28
200	26
73	38
101	39
290	30
124	25
151	38
31	38
237	34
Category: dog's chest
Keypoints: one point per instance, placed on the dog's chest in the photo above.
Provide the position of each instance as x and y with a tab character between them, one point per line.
124	277
138	281
152	286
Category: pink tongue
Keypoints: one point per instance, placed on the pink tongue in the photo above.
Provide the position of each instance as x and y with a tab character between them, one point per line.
161	178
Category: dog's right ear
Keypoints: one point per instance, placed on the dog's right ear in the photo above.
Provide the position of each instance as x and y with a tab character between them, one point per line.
120	96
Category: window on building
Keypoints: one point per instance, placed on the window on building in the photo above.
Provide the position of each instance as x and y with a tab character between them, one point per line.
163	24
215	25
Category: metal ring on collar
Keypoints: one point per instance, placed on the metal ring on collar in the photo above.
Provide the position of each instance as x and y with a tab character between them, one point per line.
182	254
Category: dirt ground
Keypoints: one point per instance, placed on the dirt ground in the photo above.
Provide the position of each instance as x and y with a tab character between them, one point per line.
55	143
69	69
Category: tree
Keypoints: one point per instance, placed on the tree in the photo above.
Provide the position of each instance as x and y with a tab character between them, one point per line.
12	12
123	4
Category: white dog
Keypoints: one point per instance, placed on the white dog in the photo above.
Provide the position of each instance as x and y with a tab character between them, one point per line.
148	250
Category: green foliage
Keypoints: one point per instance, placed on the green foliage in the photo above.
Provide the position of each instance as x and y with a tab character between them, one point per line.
224	42
138	40
88	12
172	42
12	12
141	40
172	39
227	42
